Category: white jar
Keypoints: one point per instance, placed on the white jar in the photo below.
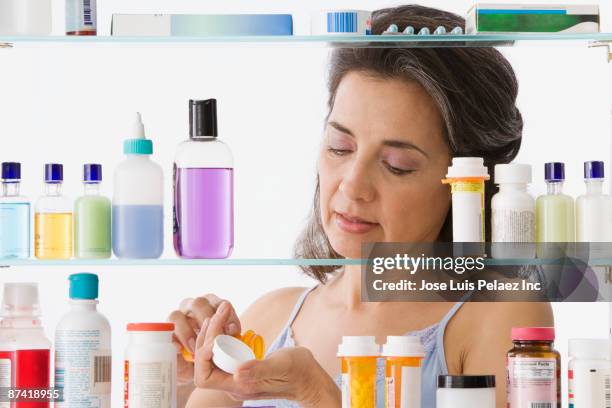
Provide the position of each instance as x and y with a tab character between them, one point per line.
589	373
25	17
466	391
150	366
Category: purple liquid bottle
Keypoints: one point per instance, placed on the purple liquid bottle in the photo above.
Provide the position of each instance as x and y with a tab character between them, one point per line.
203	189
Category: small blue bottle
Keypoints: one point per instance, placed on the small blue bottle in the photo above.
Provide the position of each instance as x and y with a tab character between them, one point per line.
14	215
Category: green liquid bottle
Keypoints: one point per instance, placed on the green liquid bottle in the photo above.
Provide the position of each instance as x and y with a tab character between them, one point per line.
92	229
555	222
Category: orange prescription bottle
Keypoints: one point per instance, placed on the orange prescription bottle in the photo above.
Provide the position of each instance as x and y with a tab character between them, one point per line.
403	358
358	355
250	338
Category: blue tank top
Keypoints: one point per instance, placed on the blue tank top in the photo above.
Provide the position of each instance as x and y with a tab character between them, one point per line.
434	364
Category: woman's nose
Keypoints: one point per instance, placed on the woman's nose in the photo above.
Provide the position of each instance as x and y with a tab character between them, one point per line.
357	184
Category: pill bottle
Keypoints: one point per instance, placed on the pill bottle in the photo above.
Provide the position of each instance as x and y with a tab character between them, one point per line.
466	391
403	358
467	177
589	373
253	340
359	355
150	366
533	368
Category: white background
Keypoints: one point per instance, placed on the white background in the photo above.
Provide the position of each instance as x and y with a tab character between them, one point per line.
73	104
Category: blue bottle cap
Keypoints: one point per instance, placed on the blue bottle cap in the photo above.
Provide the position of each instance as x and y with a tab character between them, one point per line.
83	286
11	171
54	173
594	170
554	171
92	173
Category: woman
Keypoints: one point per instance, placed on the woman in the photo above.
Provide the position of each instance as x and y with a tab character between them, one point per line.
397	117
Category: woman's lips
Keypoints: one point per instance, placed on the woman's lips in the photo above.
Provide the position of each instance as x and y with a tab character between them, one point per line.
353	225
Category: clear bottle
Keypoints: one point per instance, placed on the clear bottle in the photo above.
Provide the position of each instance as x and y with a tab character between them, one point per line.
53	218
403	358
92	218
359	355
83	348
25	351
150	366
138	200
15	215
81	17
594	209
555	210
534	368
203	188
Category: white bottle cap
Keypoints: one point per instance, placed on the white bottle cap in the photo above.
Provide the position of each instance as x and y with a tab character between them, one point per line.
20	300
468	167
595	349
403	346
513	173
229	353
358	346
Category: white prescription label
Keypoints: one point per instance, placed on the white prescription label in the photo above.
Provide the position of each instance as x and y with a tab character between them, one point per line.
150	385
346	391
5	378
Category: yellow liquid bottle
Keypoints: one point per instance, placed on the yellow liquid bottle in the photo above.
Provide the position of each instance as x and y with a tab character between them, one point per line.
53	219
359	356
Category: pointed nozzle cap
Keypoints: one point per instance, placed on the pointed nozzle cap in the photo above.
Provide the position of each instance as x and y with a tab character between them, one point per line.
138	143
203	118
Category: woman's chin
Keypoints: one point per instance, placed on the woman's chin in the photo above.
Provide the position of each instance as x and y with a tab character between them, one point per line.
350	249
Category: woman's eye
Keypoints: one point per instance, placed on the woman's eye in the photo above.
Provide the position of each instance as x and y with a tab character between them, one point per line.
398	171
338	152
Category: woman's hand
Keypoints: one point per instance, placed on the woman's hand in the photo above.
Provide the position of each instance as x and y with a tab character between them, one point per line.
291	373
188	322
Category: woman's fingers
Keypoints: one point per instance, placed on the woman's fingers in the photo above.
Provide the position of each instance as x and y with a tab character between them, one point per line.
183	330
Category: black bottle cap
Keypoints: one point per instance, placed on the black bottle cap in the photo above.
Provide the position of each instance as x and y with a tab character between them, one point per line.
203	118
466	381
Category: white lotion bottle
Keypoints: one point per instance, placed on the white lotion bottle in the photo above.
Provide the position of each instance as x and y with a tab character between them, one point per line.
594	208
83	358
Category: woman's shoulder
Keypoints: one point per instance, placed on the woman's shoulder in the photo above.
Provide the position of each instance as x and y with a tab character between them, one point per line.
500	315
269	314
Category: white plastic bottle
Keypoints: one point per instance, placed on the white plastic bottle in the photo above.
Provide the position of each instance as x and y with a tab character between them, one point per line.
138	215
25	351
203	188
150	366
589	373
25	17
594	209
83	348
513	213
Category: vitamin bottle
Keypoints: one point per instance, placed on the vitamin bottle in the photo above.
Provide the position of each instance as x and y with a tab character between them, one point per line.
589	373
24	350
534	369
594	209
203	188
83	348
254	341
150	366
467	177
468	391
92	218
138	215
53	219
358	355
555	210
403	358
81	17
14	215
513	213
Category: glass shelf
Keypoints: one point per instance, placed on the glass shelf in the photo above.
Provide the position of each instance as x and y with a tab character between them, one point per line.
254	262
389	41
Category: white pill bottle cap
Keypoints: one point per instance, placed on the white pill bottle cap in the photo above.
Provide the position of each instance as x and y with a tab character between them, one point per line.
20	300
467	167
229	353
590	349
513	173
358	346
403	346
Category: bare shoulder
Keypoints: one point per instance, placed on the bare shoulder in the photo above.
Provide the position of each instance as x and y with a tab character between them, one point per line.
485	317
268	315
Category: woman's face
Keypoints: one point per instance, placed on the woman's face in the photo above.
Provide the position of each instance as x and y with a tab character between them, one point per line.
381	165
